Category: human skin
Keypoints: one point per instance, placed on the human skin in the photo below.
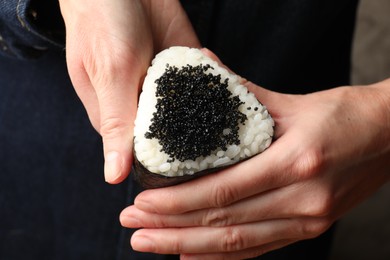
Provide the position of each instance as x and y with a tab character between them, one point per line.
331	148
331	151
109	46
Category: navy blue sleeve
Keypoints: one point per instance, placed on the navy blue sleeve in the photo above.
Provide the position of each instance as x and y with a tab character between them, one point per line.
28	28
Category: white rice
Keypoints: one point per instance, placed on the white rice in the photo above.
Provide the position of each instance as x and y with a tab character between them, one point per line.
255	136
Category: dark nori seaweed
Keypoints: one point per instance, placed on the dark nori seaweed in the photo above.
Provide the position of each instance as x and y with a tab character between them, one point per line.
150	180
193	109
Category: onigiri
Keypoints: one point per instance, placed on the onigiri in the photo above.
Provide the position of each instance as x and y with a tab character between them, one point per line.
194	117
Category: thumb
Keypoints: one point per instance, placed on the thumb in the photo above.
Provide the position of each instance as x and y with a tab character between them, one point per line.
265	96
109	47
278	104
117	94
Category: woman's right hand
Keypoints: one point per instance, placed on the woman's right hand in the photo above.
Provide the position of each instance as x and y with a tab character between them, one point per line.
109	46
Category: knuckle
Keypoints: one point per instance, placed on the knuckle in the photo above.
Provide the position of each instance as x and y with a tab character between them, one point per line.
320	204
322	208
158	222
177	246
232	240
216	217
222	194
173	205
309	164
314	227
111	126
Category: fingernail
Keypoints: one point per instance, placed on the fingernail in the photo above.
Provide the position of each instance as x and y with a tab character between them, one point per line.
112	166
142	243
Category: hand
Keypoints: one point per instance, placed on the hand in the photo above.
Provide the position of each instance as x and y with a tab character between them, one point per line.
332	150
109	46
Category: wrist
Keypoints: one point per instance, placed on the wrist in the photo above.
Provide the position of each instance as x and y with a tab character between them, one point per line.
74	8
382	94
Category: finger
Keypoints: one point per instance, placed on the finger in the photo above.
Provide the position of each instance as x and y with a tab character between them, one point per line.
242	254
107	62
274	204
110	98
117	96
213	56
117	91
220	239
278	105
245	211
255	208
243	180
170	25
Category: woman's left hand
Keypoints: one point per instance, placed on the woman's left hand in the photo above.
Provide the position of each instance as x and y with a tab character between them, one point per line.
332	150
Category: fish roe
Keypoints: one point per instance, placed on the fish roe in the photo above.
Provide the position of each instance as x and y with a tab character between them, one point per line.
193	109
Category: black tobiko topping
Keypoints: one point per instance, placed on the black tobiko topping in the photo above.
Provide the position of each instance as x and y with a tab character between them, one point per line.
193	110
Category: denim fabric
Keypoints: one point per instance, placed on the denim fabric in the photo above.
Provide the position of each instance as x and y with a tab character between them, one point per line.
28	28
54	203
